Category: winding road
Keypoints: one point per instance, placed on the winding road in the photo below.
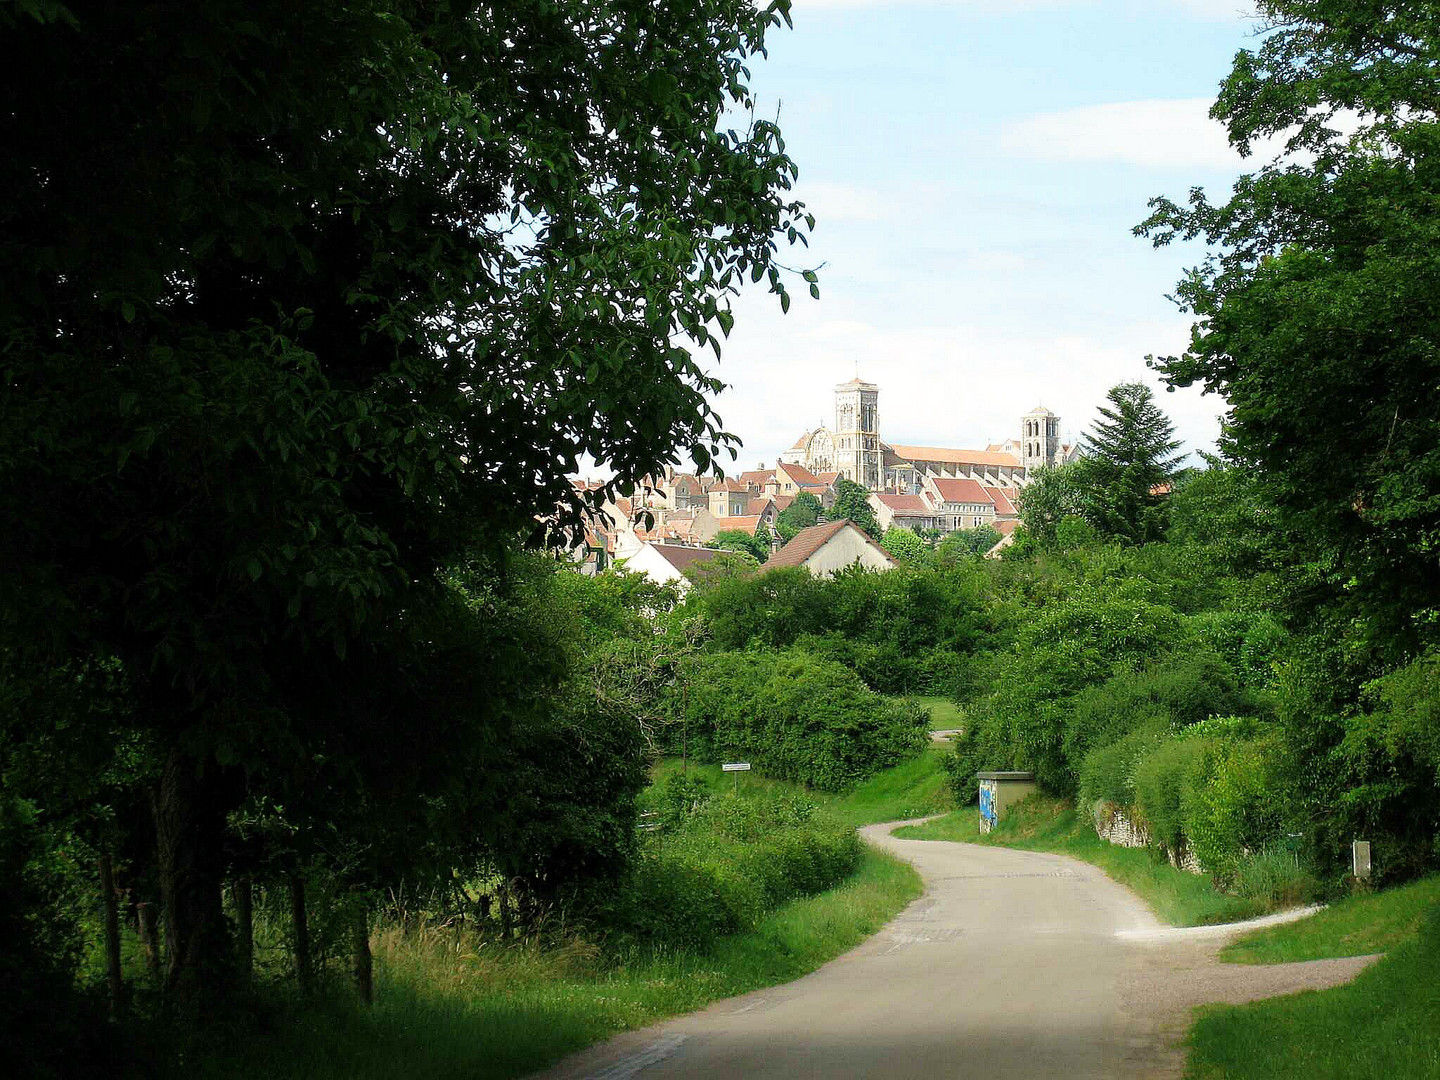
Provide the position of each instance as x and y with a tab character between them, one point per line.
1013	964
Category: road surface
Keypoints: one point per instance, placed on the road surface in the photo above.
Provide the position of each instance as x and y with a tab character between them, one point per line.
1014	964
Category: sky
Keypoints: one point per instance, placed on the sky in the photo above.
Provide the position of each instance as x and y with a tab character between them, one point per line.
976	168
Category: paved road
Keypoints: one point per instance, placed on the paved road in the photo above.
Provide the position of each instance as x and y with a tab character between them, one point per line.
1013	964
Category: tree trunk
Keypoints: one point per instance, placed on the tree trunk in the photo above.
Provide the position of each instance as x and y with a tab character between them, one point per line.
112	937
364	965
189	840
300	925
245	926
148	921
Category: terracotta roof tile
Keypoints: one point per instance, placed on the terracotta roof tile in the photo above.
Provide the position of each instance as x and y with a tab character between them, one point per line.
807	542
955	457
962	491
801	476
906	504
746	524
1002	502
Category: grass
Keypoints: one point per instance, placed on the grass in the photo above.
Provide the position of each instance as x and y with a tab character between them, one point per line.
1356	926
944	713
1046	824
915	788
1383	1026
445	1010
447	1007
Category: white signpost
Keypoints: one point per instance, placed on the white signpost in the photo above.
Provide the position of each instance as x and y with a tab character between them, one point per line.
737	767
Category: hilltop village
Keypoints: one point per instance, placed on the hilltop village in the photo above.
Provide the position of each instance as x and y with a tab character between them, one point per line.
664	525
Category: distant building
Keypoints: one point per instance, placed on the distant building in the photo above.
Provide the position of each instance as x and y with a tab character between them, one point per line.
664	563
830	546
855	450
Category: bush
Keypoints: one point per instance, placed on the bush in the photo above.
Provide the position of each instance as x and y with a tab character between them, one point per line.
797	717
678	797
1108	773
1164	781
1235	806
1169	694
733	861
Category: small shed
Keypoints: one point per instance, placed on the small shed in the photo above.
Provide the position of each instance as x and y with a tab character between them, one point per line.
998	790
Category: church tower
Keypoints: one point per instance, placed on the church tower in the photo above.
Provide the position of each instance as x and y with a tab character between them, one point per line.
857	432
1040	439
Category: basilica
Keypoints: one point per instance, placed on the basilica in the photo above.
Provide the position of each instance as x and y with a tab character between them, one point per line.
855	450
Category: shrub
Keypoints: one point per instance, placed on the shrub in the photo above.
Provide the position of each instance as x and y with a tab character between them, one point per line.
1164	781
679	796
1108	773
1172	693
797	717
730	863
1235	805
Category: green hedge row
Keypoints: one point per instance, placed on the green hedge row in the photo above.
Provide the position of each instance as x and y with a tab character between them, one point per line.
728	865
794	716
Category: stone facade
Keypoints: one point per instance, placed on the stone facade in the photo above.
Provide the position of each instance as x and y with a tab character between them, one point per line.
855	450
1114	825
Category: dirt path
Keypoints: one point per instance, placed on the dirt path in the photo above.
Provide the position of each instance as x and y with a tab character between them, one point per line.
1014	964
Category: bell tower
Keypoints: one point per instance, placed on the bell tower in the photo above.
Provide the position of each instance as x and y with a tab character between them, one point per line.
857	432
1039	438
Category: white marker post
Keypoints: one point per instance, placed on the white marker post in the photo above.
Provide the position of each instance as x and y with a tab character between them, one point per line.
736	767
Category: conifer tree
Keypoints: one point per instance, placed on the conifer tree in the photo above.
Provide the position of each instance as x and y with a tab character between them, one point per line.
1130	459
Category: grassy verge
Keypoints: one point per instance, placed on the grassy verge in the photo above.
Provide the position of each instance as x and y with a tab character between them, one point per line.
1356	926
1384	1025
916	788
445	1011
449	1007
944	713
1044	824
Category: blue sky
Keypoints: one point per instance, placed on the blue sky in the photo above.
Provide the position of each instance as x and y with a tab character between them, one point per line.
976	167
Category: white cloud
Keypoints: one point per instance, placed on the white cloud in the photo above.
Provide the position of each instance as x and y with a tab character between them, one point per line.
945	385
844	202
1174	133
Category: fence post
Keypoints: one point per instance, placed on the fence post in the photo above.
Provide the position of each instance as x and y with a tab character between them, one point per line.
364	964
301	927
112	936
147	919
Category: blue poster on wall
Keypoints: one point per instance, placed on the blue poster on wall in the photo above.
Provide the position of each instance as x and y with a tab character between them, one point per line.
987	805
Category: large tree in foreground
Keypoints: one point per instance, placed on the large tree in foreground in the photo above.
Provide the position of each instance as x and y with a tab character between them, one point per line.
300	300
1316	313
1128	464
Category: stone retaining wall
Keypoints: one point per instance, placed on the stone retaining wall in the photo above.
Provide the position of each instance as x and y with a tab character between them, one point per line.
1115	826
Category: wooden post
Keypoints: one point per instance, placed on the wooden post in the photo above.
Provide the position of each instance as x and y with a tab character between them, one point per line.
364	964
148	920
301	928
244	890
112	936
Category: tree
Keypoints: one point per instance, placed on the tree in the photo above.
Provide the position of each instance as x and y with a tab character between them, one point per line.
905	545
739	540
1315	314
800	514
1054	493
852	503
964	543
302	302
1129	461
